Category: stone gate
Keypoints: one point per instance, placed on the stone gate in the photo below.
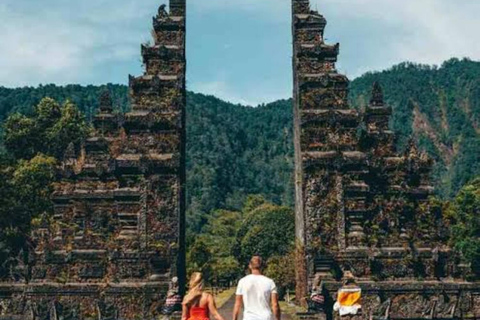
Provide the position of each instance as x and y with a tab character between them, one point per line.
360	204
118	230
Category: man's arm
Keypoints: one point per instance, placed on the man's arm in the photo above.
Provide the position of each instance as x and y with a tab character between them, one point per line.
275	306
237	307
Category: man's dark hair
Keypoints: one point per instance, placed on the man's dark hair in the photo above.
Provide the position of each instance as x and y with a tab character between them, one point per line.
256	262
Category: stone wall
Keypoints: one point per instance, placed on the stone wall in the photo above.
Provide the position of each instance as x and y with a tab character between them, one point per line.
117	234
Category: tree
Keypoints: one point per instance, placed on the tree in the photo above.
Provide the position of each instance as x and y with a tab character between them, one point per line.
70	128
225	270
282	270
49	131
32	179
26	189
47	113
267	230
211	251
252	202
35	144
20	138
464	216
199	257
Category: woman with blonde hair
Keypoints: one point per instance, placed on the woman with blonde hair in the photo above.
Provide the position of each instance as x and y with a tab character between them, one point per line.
197	304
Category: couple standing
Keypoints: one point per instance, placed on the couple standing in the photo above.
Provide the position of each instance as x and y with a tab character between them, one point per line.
255	292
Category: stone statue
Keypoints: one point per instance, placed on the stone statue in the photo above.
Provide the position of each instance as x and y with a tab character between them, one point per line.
162	11
106	310
316	302
174	300
382	312
445	307
425	307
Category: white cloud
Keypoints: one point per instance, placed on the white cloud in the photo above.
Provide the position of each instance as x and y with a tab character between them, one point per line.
375	34
82	41
221	90
32	50
443	31
68	41
427	31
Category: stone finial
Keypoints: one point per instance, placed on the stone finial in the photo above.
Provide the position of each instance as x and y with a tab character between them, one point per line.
377	94
411	151
416	158
69	154
105	102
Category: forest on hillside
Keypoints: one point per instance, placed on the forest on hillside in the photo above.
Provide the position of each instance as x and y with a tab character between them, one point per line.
440	107
234	150
240	158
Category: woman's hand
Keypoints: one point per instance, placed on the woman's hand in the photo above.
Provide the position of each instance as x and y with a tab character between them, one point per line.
184	311
212	308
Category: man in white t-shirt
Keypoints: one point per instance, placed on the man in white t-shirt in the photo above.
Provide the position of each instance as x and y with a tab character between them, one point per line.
258	294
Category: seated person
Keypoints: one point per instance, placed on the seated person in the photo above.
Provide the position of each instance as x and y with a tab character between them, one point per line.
348	297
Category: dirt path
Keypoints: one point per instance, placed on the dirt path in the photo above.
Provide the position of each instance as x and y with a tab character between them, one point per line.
227	309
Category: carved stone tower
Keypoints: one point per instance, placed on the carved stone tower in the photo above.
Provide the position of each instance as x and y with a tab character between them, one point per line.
360	204
324	133
118	230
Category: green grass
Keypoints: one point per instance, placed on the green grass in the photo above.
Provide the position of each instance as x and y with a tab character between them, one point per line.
290	309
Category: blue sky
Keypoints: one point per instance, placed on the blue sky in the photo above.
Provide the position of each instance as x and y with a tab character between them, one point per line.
238	50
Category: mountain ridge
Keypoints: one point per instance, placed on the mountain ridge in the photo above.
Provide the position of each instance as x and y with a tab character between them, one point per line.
235	150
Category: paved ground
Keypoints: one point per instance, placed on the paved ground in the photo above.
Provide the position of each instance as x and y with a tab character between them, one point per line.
227	309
